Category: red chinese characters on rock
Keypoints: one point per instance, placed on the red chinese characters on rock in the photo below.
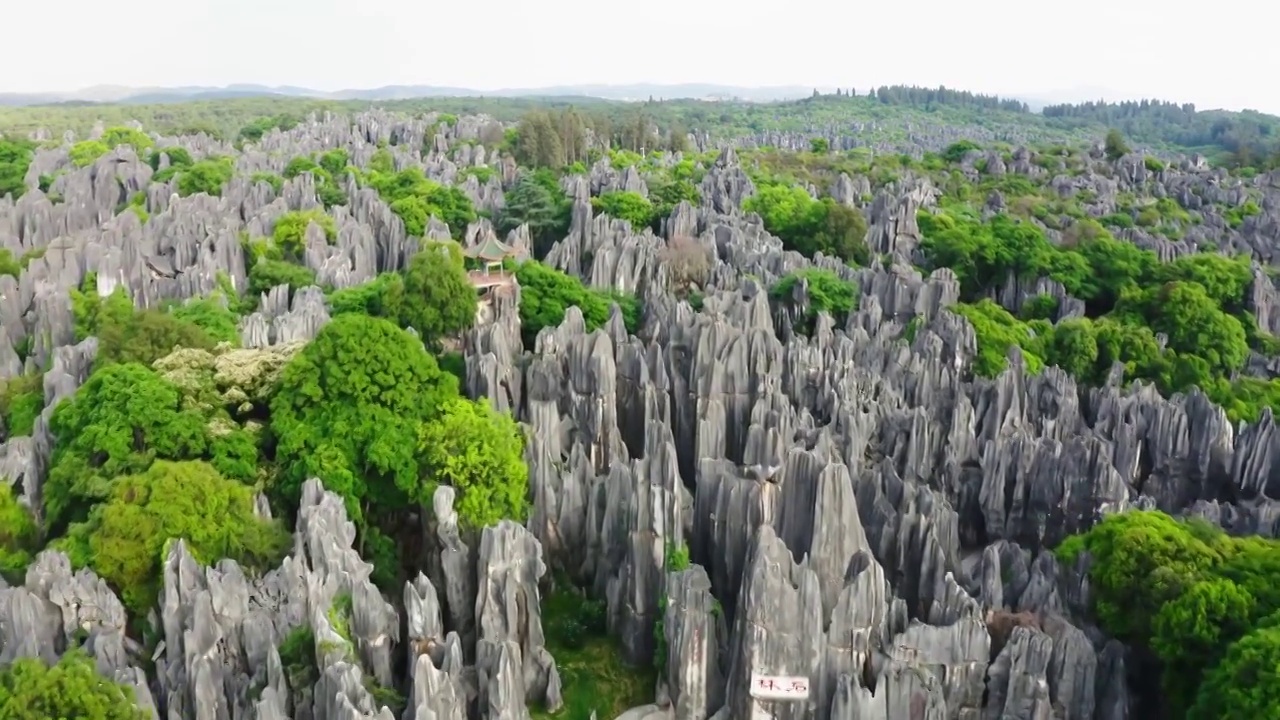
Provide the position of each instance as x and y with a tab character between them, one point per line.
793	686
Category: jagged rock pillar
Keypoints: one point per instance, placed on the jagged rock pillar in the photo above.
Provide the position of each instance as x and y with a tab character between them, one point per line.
509	620
692	627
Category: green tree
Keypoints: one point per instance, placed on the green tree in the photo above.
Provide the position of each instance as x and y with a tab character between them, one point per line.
538	201
86	152
626	205
1073	346
415	199
1134	346
290	232
9	265
178	157
125	538
996	331
207	176
298	165
121	420
1141	560
538	144
91	310
15	159
1193	630
375	298
21	400
1193	322
253	131
382	162
827	293
212	315
144	336
480	453
436	298
348	411
668	192
956	151
785	210
114	137
335	162
31	690
1114	145
275	181
677	138
545	295
266	274
1246	684
809	226
842	231
19	537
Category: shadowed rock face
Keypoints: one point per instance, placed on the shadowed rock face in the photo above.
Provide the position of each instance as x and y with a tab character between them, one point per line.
859	512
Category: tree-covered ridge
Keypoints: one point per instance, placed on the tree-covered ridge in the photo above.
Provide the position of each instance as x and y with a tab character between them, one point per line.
1245	139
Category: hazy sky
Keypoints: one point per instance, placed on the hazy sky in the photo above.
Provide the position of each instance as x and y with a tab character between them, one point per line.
1120	48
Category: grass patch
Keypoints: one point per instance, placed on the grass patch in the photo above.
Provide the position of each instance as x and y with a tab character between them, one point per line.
592	673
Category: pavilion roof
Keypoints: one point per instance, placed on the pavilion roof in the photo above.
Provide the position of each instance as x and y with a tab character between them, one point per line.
491	249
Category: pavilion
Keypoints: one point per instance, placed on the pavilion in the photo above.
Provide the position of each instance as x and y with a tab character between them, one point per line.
492	252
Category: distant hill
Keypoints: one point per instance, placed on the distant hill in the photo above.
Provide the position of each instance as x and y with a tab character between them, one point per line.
637	92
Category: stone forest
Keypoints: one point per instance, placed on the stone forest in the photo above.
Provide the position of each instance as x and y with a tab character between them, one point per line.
901	405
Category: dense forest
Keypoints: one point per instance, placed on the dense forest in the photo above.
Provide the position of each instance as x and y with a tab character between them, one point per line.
1244	139
450	408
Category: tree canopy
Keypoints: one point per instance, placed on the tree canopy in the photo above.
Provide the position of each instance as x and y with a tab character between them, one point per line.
18	536
348	411
1193	597
416	200
290	232
1246	684
436	297
72	688
480	453
1196	301
124	538
827	293
808	225
123	419
545	295
15	158
536	200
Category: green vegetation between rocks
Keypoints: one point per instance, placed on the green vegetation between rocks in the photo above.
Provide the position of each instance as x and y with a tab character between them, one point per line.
15	158
809	226
72	688
124	539
1204	606
545	295
593	676
1197	301
827	293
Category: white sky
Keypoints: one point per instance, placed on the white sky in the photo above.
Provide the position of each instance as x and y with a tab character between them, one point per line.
1062	50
